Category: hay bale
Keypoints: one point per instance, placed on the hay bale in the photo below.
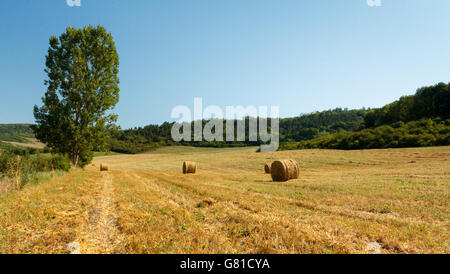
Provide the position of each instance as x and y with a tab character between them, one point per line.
103	167
189	167
268	168
285	170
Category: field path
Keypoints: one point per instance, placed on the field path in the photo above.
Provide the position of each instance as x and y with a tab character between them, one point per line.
100	234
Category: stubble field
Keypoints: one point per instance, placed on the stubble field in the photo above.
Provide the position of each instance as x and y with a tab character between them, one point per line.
343	200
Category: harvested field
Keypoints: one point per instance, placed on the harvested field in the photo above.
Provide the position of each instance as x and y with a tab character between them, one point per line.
342	202
28	143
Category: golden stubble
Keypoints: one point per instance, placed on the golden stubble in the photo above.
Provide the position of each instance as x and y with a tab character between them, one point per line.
342	201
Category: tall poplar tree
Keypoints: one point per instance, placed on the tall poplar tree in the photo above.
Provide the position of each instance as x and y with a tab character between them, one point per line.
82	88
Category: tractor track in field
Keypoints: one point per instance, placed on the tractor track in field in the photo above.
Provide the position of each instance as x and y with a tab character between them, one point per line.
100	233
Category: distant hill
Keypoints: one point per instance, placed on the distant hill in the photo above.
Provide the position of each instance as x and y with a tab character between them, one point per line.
18	137
303	127
422	119
418	120
20	133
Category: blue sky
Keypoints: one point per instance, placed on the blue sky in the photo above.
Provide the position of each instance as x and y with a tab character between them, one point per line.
299	55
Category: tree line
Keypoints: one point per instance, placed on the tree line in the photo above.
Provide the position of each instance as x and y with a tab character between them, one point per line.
421	133
416	120
419	120
428	102
303	127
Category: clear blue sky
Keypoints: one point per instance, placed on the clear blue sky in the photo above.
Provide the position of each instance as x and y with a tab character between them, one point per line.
300	55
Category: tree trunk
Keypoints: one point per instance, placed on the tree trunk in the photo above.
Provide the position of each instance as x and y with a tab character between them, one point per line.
75	160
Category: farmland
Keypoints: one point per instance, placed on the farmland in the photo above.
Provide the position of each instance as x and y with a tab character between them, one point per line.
343	200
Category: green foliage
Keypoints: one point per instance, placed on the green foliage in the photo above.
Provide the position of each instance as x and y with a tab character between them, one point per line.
129	147
404	123
428	102
59	162
38	163
85	157
304	127
21	150
15	132
317	124
30	165
425	132
82	68
4	159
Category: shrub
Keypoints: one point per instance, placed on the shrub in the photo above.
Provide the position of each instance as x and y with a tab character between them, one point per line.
28	166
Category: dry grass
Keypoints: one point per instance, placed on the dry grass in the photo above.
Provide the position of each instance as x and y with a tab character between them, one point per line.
43	218
342	201
30	143
6	185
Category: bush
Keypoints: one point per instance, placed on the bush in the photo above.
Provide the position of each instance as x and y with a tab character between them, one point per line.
85	158
60	162
129	147
5	158
29	165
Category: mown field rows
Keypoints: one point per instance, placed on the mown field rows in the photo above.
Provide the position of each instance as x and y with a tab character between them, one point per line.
342	201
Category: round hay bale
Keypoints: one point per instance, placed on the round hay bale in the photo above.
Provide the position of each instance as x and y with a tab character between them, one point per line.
285	170
189	167
103	167
267	168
